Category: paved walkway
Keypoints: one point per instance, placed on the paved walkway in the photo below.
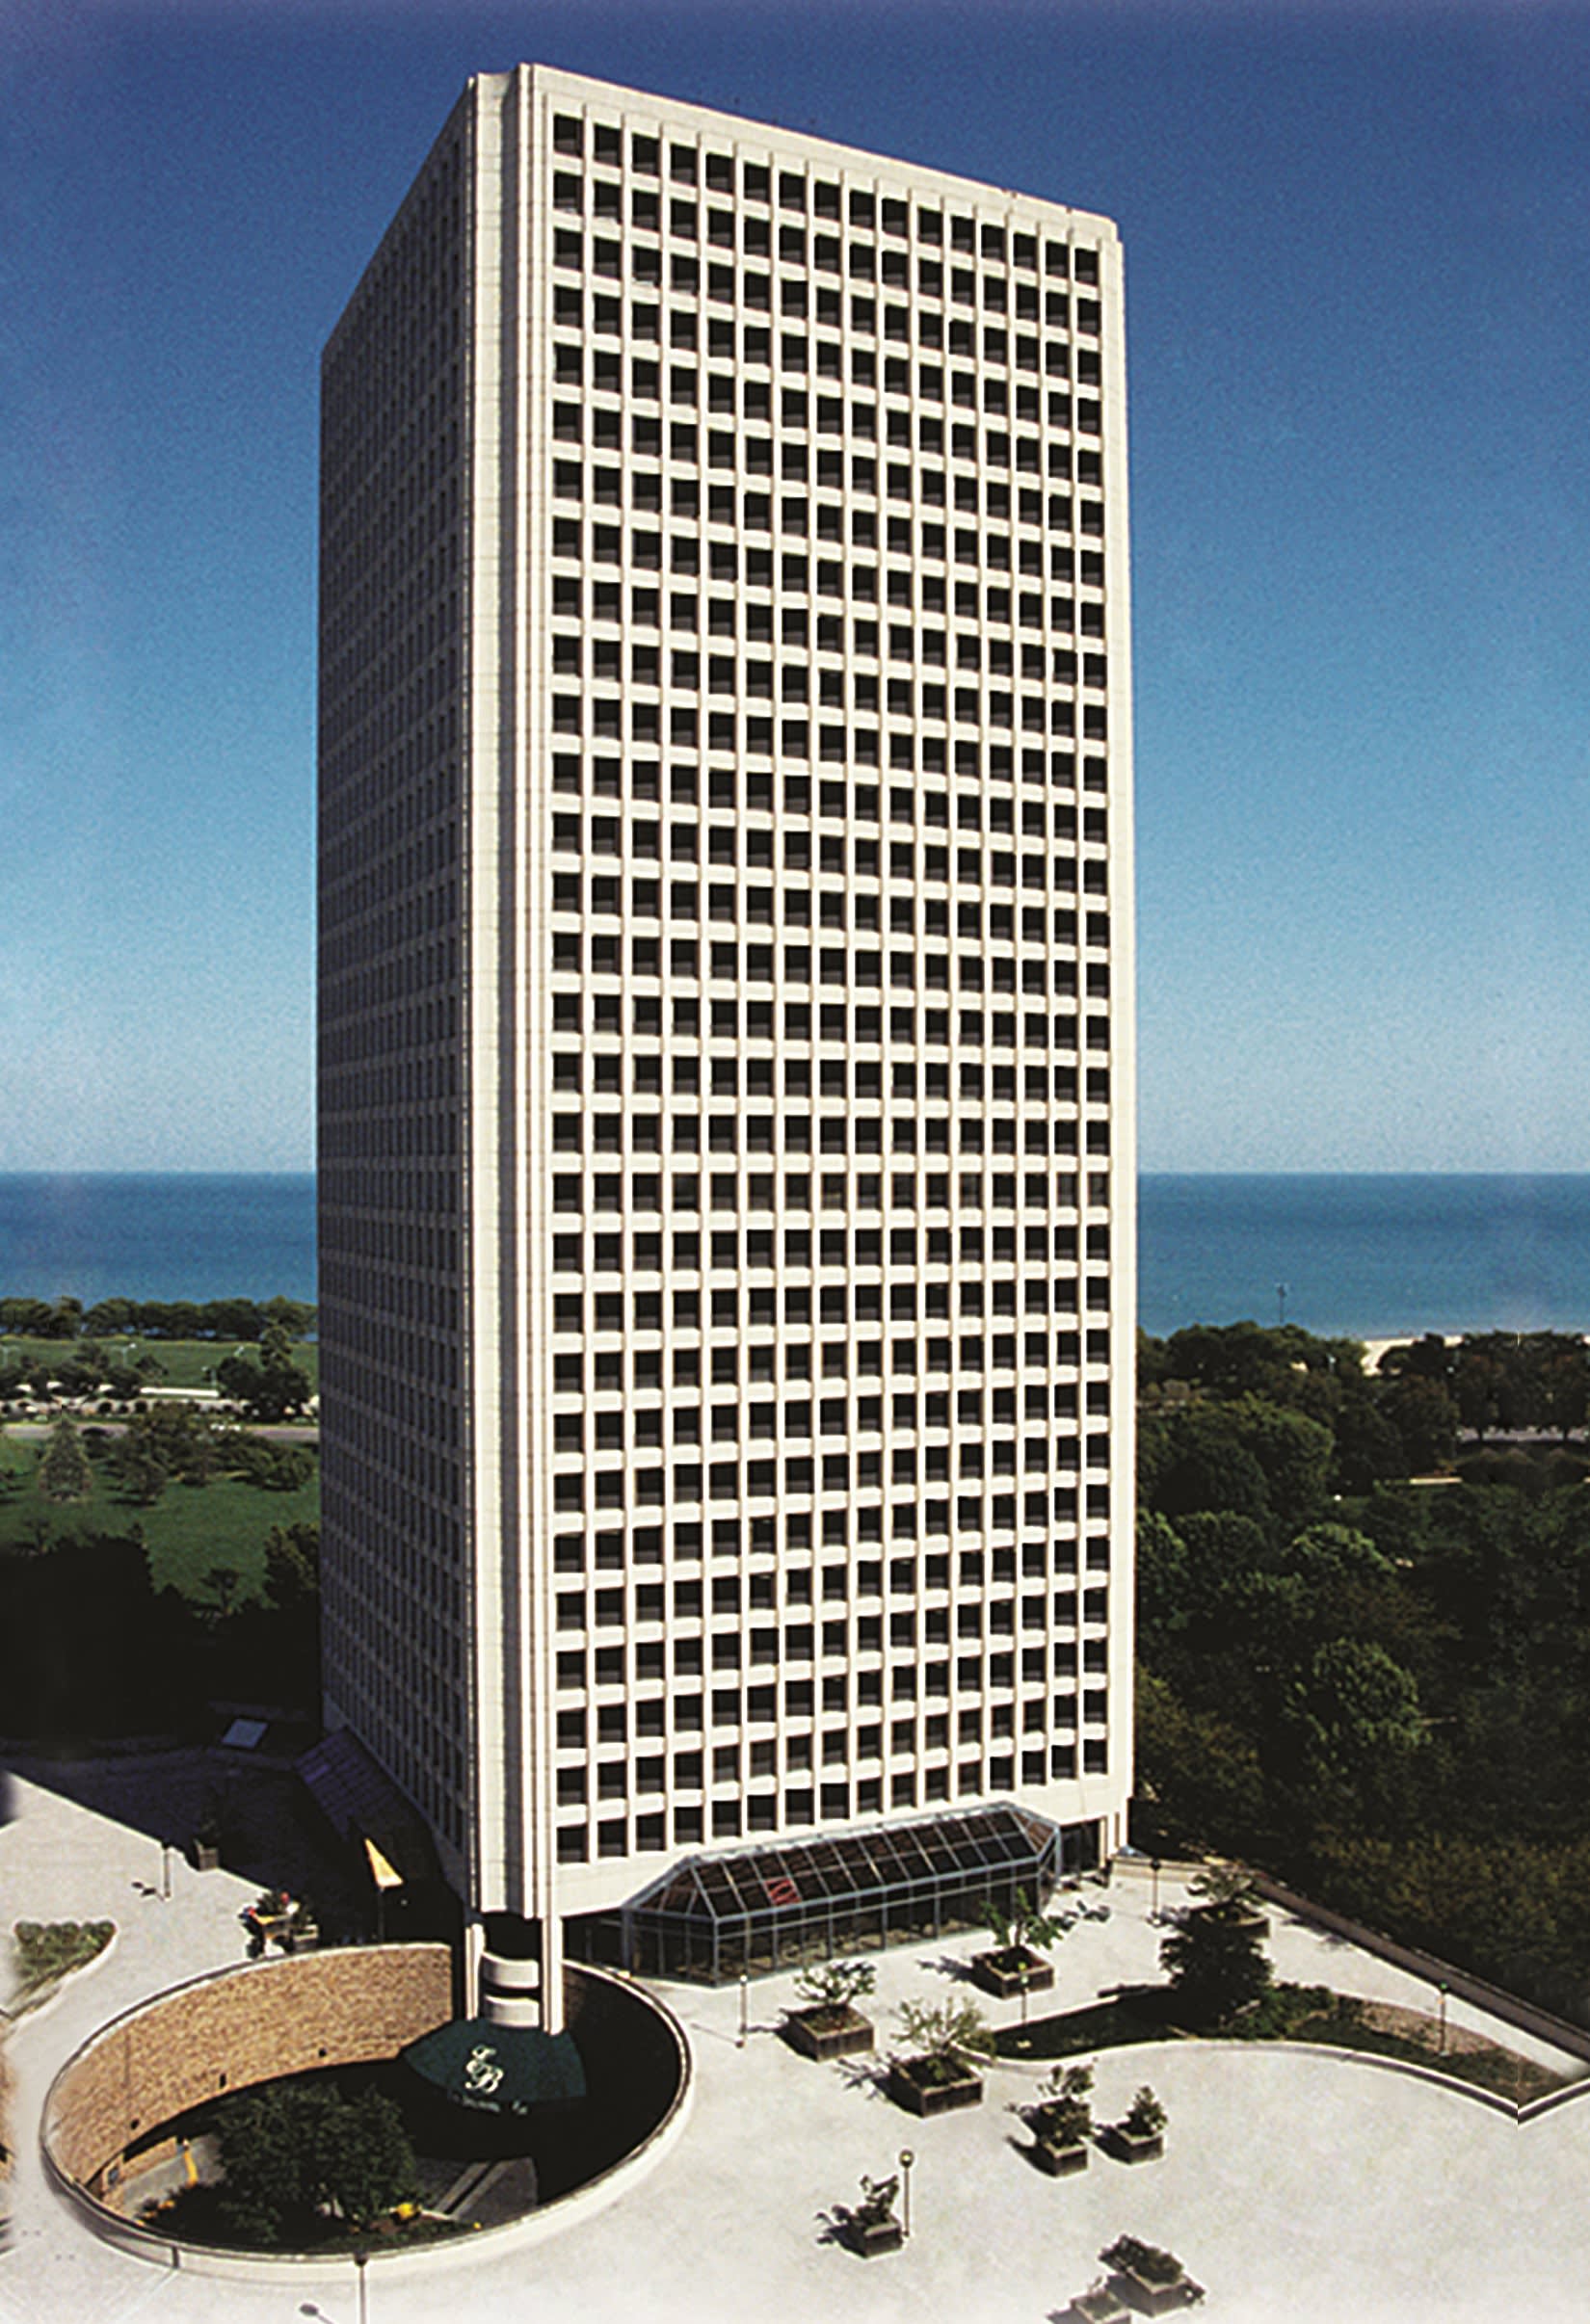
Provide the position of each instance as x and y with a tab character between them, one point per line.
1297	2189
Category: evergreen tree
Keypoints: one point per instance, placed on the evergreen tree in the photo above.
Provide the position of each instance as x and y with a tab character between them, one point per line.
66	1473
1216	1969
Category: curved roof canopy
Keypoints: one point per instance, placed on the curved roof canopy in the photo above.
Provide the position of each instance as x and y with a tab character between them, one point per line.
498	2068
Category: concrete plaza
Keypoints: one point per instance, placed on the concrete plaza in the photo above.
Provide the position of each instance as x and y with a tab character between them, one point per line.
1297	2188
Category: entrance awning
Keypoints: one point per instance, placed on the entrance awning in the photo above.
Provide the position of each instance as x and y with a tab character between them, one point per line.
498	2068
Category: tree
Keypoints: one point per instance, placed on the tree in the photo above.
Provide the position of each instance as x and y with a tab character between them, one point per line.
65	1472
364	2165
1294	1453
1021	1926
1369	1449
175	1441
109	1318
1199	1781
141	1464
66	1319
1425	1419
27	1318
294	1316
1426	1359
223	1582
1350	1709
832	1990
232	1319
263	2161
270	1387
1566	1379
294	2150
1195	1458
942	2035
292	1568
1216	1969
87	1649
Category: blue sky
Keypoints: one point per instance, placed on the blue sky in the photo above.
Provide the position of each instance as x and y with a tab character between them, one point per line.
1358	305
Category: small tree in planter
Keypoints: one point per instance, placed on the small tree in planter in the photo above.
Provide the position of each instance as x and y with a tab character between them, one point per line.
1019	1934
830	2025
1061	2120
937	2074
1139	2136
872	2224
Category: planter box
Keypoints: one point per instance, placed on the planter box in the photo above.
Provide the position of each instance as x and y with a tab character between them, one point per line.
1060	2163
1099	2308
886	2236
1154	2299
1134	2146
1005	1982
803	2030
207	1856
933	2098
1245	1917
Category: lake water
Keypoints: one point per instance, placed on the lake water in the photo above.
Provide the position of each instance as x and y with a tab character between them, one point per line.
1373	1256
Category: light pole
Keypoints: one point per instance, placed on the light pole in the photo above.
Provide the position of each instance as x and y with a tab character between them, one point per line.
745	1989
907	2158
362	2261
1154	1910
1443	1990
166	1870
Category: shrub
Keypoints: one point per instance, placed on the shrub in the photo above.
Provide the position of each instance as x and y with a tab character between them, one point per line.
47	1950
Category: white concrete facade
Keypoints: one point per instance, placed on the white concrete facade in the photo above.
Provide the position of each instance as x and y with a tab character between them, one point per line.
726	1073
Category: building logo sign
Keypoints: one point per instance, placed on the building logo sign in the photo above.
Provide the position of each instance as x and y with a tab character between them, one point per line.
481	2075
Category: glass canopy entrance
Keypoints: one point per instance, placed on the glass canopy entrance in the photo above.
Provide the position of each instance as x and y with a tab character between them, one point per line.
720	1917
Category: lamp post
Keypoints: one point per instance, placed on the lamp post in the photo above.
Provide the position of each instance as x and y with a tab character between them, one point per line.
907	2158
1154	1911
1443	1990
362	2261
745	1988
166	1870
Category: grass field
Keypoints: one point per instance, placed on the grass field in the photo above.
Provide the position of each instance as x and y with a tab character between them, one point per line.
184	1362
190	1530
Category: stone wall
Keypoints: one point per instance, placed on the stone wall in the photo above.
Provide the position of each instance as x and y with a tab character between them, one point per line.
226	2032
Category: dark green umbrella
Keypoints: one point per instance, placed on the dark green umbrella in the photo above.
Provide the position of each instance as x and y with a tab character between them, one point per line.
499	2068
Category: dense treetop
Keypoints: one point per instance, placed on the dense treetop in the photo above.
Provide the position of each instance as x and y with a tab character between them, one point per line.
1378	1688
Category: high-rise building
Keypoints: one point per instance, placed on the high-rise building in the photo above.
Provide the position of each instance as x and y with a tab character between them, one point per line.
725	1079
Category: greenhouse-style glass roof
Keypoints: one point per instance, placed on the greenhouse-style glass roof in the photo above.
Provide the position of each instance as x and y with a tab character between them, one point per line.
993	1843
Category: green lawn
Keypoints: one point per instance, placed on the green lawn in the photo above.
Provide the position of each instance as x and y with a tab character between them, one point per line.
184	1362
188	1530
